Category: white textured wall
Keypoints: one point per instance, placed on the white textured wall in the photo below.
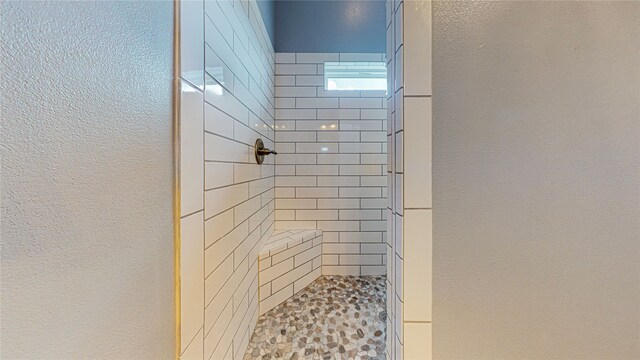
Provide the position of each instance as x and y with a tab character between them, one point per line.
331	163
536	180
87	245
227	102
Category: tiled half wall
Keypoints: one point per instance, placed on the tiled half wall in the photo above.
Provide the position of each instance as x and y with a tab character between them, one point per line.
331	162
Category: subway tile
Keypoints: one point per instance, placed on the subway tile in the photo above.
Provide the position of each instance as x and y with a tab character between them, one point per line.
329	259
360	214
219	200
306	280
218	122
338	159
222	99
338	136
417	264
360	125
357	103
374	248
302	58
216	68
285	103
195	348
191	156
373	225
275	299
218	226
418	166
289	192
314	125
361	170
399	69
360	148
375	203
316	148
296	69
339	225
399	151
284	125
338	181
355	192
316	103
285	80
316	192
217	175
316	169
338	203
296	224
309	80
417	341
341	270
377	159
398	27
360	237
245	172
285	58
295	204
296	181
192	44
374	136
316	214
398	196
293	159
377	114
338	114
295	91
417	47
192	269
285	148
295	114
368	259
285	170
290	277
303	136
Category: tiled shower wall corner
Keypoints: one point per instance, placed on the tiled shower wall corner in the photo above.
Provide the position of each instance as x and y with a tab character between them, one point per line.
227	102
331	163
410	231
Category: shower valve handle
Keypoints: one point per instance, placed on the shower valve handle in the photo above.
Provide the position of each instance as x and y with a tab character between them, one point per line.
266	151
261	151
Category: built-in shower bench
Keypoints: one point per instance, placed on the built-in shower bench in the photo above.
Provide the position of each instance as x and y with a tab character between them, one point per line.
289	261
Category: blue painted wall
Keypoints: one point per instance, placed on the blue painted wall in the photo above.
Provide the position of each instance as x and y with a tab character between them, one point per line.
268	13
330	26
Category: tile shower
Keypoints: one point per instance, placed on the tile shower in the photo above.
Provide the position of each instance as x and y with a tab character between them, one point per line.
329	179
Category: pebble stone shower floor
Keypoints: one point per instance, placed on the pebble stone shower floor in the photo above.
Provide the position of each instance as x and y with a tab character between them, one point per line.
335	317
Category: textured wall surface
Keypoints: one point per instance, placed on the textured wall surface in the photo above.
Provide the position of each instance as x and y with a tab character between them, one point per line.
330	26
331	163
227	102
87	196
536	180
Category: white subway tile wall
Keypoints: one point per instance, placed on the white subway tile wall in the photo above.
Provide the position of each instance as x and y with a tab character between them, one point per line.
227	200
289	261
409	242
331	162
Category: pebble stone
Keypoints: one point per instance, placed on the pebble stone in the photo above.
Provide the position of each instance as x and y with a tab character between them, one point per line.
334	318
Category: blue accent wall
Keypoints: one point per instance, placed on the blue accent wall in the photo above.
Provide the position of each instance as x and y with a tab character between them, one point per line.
330	26
268	13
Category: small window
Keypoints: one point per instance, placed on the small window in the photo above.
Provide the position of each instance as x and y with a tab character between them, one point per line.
346	75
